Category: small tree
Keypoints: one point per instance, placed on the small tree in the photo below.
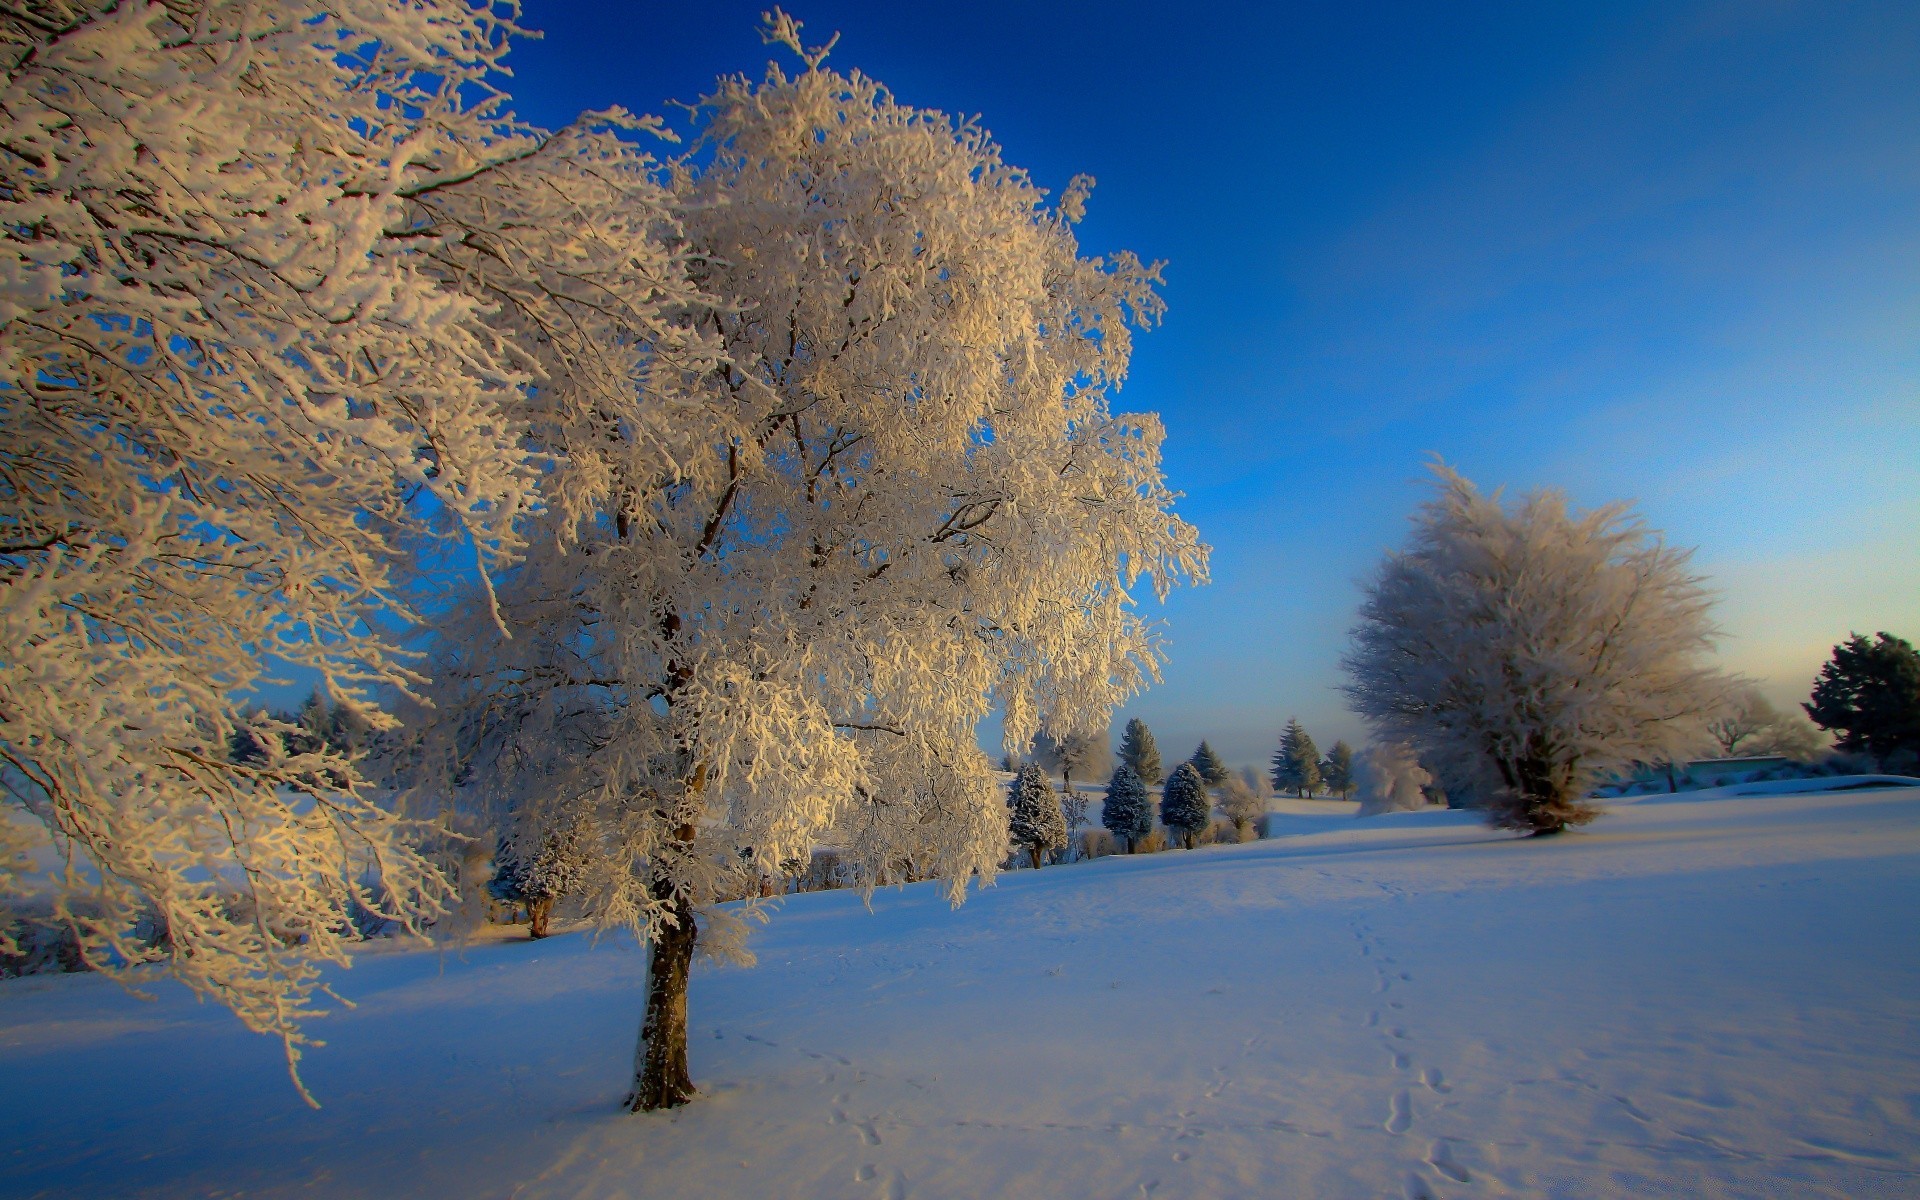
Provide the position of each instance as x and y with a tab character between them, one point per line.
1869	694
1336	770
1075	755
1212	771
1296	765
1185	808
1745	716
1035	822
1138	750
539	880
1243	806
1532	650
1794	736
1128	811
1389	779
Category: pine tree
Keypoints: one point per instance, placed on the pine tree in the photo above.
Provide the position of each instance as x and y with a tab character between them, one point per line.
1185	808
1138	750
1869	693
1336	769
1036	823
1296	765
1128	812
1212	771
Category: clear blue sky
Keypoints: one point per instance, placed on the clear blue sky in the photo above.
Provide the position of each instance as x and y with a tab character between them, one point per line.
1666	252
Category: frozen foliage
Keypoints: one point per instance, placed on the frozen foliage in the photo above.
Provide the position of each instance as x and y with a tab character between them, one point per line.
1139	751
1869	693
1076	755
539	875
1185	808
1212	771
1034	821
1243	806
1749	724
1128	811
1389	779
280	276
776	596
1296	764
1529	650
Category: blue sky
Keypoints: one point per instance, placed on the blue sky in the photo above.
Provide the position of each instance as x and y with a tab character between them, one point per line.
1663	252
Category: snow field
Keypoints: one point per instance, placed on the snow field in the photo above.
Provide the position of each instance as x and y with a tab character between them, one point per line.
1698	996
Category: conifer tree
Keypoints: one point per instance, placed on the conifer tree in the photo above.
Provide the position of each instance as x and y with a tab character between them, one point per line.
1036	823
1336	770
1185	807
1296	765
1212	771
1139	751
1869	694
1128	812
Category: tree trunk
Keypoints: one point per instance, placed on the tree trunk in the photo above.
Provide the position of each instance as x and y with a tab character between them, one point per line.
1034	851
1129	845
660	1076
540	916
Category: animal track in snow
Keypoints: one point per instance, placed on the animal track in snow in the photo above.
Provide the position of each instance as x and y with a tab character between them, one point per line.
1435	1081
1441	1159
1400	1112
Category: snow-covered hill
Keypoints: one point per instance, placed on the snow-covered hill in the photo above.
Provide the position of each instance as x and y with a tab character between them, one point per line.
1708	995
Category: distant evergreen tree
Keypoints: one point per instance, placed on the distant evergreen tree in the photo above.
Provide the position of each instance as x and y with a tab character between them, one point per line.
1128	812
1037	824
1138	750
1336	769
1296	765
1185	807
1212	771
1869	695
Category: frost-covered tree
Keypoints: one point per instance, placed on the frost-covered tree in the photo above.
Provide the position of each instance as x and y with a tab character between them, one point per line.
1139	751
1035	823
1793	735
541	879
778	595
1075	755
1185	807
265	323
1336	770
1128	810
1869	694
1212	771
1389	779
1531	649
1296	764
1242	805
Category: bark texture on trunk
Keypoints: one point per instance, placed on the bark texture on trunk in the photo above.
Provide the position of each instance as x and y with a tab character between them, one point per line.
660	1075
540	917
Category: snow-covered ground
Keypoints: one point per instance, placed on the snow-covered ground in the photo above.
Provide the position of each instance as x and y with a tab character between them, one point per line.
1710	995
